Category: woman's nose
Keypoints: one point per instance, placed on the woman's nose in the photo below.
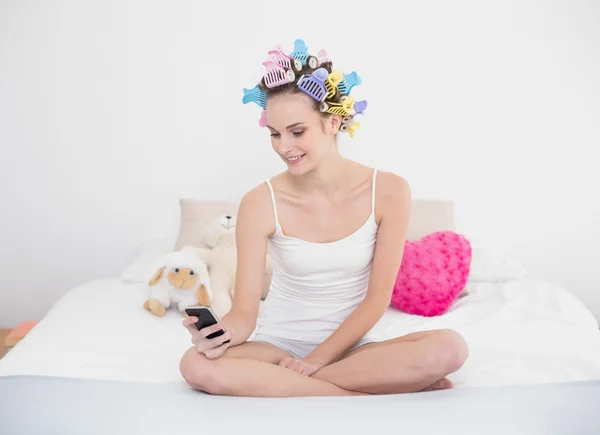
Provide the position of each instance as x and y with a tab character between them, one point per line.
285	145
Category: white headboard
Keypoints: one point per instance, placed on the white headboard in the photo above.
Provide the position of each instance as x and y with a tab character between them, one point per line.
427	216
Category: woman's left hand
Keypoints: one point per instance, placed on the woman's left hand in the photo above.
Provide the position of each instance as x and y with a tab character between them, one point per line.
304	366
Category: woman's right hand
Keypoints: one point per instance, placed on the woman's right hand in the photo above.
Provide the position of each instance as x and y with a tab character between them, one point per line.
212	348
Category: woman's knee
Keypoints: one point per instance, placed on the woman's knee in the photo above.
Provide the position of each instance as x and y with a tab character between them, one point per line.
448	352
201	373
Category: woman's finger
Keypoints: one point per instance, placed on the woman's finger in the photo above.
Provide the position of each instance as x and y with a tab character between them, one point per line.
216	352
189	323
197	340
202	344
222	338
211	329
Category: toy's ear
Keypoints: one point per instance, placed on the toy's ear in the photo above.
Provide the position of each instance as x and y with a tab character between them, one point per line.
203	298
154	280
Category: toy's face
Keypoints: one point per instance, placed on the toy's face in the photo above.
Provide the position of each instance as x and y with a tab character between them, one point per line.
221	231
183	278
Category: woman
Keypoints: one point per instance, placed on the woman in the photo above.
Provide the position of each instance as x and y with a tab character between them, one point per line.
335	230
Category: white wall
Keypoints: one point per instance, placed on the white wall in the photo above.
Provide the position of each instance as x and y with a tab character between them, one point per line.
112	111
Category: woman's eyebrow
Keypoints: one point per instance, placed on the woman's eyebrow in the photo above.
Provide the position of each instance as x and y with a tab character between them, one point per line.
295	124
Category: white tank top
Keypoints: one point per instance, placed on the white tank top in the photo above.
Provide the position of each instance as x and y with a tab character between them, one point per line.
315	286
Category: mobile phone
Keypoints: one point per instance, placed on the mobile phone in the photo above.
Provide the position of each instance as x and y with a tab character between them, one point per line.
206	317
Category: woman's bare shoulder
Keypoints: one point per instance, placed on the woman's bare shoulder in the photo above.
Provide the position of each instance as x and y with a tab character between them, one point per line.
389	184
255	212
393	193
392	183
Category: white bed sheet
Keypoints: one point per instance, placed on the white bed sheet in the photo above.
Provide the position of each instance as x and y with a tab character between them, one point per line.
519	332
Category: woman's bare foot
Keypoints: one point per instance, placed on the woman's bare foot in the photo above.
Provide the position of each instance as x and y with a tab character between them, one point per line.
442	384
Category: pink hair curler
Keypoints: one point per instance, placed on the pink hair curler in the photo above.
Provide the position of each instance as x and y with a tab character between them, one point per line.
276	75
284	60
262	121
322	57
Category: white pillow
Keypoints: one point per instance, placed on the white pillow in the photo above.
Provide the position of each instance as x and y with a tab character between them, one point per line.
147	260
489	265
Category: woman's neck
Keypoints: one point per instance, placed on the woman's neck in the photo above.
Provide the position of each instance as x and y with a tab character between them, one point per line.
327	179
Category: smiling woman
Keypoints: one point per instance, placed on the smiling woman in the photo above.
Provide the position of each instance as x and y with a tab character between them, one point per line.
301	124
335	230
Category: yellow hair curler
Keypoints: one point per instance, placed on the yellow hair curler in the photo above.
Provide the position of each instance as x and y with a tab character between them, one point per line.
350	127
345	107
353	127
331	83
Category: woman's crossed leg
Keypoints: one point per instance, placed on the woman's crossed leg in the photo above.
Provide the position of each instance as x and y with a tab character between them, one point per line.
411	363
251	369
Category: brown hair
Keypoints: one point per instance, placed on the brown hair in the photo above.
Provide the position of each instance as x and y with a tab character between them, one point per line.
292	87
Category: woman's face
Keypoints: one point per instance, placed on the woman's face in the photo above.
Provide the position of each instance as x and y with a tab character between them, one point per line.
299	133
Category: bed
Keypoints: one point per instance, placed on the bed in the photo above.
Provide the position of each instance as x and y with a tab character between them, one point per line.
99	363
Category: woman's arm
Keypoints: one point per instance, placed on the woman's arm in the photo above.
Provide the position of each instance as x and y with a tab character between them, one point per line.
393	203
253	227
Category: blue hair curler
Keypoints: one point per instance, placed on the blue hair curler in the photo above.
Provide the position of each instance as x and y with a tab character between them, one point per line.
350	80
255	95
314	84
360	107
301	53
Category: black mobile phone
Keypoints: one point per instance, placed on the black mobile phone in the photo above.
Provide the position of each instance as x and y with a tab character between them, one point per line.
206	317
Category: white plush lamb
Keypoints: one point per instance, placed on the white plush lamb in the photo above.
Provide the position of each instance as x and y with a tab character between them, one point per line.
182	280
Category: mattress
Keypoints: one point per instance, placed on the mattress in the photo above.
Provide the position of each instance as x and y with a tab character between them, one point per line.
69	406
520	332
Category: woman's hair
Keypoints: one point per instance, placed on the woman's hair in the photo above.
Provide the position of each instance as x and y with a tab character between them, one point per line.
302	72
292	87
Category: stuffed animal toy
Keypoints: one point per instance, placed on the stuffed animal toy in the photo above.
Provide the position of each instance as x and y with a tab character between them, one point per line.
433	274
221	259
182	280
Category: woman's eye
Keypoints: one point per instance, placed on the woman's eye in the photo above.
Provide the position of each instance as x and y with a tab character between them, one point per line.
298	133
274	134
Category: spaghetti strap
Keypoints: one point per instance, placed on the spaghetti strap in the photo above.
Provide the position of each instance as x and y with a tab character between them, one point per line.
273	201
373	191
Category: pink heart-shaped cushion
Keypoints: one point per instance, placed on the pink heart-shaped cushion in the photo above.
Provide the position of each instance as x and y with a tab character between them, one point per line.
433	272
